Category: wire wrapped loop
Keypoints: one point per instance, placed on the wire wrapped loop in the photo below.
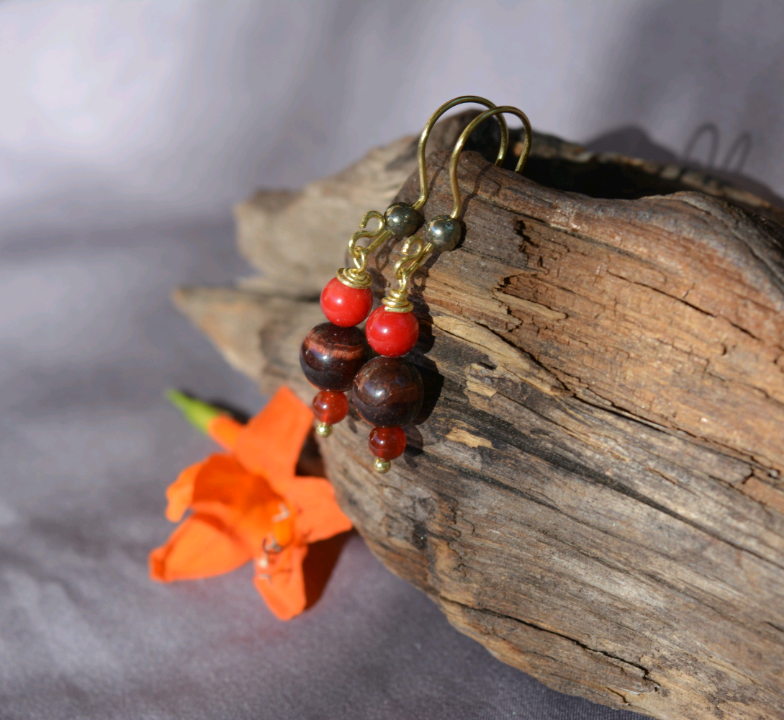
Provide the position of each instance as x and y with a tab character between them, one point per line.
415	252
357	277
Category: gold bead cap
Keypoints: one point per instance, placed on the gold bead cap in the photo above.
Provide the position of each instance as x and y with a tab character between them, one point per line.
354	278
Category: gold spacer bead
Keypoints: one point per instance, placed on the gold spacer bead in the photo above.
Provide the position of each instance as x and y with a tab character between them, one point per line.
323	430
382	465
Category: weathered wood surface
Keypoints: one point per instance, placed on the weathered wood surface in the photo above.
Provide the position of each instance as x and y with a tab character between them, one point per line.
595	487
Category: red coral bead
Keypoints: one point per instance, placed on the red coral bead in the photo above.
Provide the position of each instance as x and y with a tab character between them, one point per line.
345	306
330	407
387	442
391	334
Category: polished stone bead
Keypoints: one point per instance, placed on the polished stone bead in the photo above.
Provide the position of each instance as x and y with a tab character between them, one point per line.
331	356
443	233
330	407
402	219
387	442
345	306
388	392
391	333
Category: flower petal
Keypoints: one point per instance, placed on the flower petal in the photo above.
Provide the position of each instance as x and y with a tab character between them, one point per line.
224	489
317	514
198	548
282	582
271	442
180	493
225	430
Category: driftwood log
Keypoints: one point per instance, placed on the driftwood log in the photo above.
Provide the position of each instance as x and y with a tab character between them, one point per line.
595	487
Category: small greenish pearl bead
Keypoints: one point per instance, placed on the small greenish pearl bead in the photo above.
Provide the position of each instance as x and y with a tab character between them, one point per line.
443	233
402	219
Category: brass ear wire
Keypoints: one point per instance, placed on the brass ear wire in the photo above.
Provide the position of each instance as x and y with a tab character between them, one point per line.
463	139
443	232
401	218
426	134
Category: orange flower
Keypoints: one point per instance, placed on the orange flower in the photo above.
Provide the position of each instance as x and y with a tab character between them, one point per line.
249	504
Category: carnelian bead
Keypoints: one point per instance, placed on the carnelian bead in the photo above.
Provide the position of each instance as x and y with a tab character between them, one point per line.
345	306
330	407
387	442
391	334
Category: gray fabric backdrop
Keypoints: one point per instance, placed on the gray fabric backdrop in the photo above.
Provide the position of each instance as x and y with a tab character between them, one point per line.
127	129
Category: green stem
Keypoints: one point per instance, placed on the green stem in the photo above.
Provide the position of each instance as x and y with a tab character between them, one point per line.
197	413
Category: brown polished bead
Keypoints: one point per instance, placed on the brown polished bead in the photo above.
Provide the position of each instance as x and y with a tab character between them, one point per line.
387	443
388	392
331	356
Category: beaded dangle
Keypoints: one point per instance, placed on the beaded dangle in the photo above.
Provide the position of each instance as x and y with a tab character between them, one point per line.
388	391
333	352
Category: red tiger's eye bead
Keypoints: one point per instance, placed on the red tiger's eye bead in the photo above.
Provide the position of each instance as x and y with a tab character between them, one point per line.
387	442
388	392
345	306
331	356
330	407
391	334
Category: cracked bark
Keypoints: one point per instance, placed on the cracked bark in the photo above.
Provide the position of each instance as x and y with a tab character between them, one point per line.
594	488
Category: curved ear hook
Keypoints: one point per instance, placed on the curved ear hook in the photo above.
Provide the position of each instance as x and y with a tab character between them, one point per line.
458	206
401	218
443	232
429	126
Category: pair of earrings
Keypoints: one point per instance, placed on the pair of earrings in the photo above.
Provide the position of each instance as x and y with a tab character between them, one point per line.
387	391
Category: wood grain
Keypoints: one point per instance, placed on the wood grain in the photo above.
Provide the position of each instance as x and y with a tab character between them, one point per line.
594	487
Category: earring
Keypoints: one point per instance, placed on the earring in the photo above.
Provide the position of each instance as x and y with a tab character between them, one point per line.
388	391
333	352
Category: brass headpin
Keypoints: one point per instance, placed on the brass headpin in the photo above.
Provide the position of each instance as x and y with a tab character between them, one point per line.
415	252
357	277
